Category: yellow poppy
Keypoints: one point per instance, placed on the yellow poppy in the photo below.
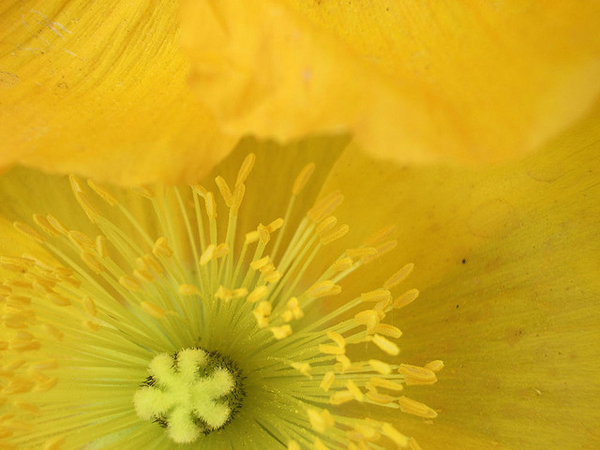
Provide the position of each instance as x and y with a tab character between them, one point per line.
505	262
505	257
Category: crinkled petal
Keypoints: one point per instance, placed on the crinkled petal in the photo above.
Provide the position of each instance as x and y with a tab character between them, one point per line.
506	259
99	88
414	81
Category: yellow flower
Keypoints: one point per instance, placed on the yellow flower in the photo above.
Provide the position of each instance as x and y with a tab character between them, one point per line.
173	316
505	260
505	257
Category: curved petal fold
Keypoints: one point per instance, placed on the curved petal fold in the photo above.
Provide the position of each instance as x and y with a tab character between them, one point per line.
413	81
99	88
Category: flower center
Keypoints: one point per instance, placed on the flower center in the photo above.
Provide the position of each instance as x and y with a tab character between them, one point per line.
158	288
189	393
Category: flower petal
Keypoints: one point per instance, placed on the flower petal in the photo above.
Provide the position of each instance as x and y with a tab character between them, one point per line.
100	89
414	81
507	263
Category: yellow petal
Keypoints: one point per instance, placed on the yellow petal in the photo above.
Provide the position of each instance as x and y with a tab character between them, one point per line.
99	88
414	81
507	263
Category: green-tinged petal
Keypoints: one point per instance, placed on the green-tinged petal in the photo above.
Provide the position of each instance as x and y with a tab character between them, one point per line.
413	81
507	263
99	88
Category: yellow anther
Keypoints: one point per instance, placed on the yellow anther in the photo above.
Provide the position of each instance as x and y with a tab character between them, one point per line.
366	432
208	254
29	407
303	178
387	346
318	445
101	246
263	234
370	318
92	262
406	298
55	443
225	191
382	250
304	368
90	306
46	227
81	240
293	445
275	225
151	264
90	325
161	248
281	332
245	169
337	338
211	205
75	184
435	366
273	277
327	381
51	330
143	275
356	392
399	276
325	206
258	294
388	330
381	235
376	296
344	361
292	310
239	292
221	250
88	206
361	253
103	193
58	300
262	313
377	397
238	198
341	264
341	397
188	289
323	289
144	191
410	406
334	235
260	263
199	190
153	310
329	349
398	438
57	224
379	382
326	225
320	421
415	375
130	283
44	386
26	230
251	237
48	364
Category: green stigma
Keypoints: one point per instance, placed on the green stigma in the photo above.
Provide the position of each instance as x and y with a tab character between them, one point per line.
190	393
